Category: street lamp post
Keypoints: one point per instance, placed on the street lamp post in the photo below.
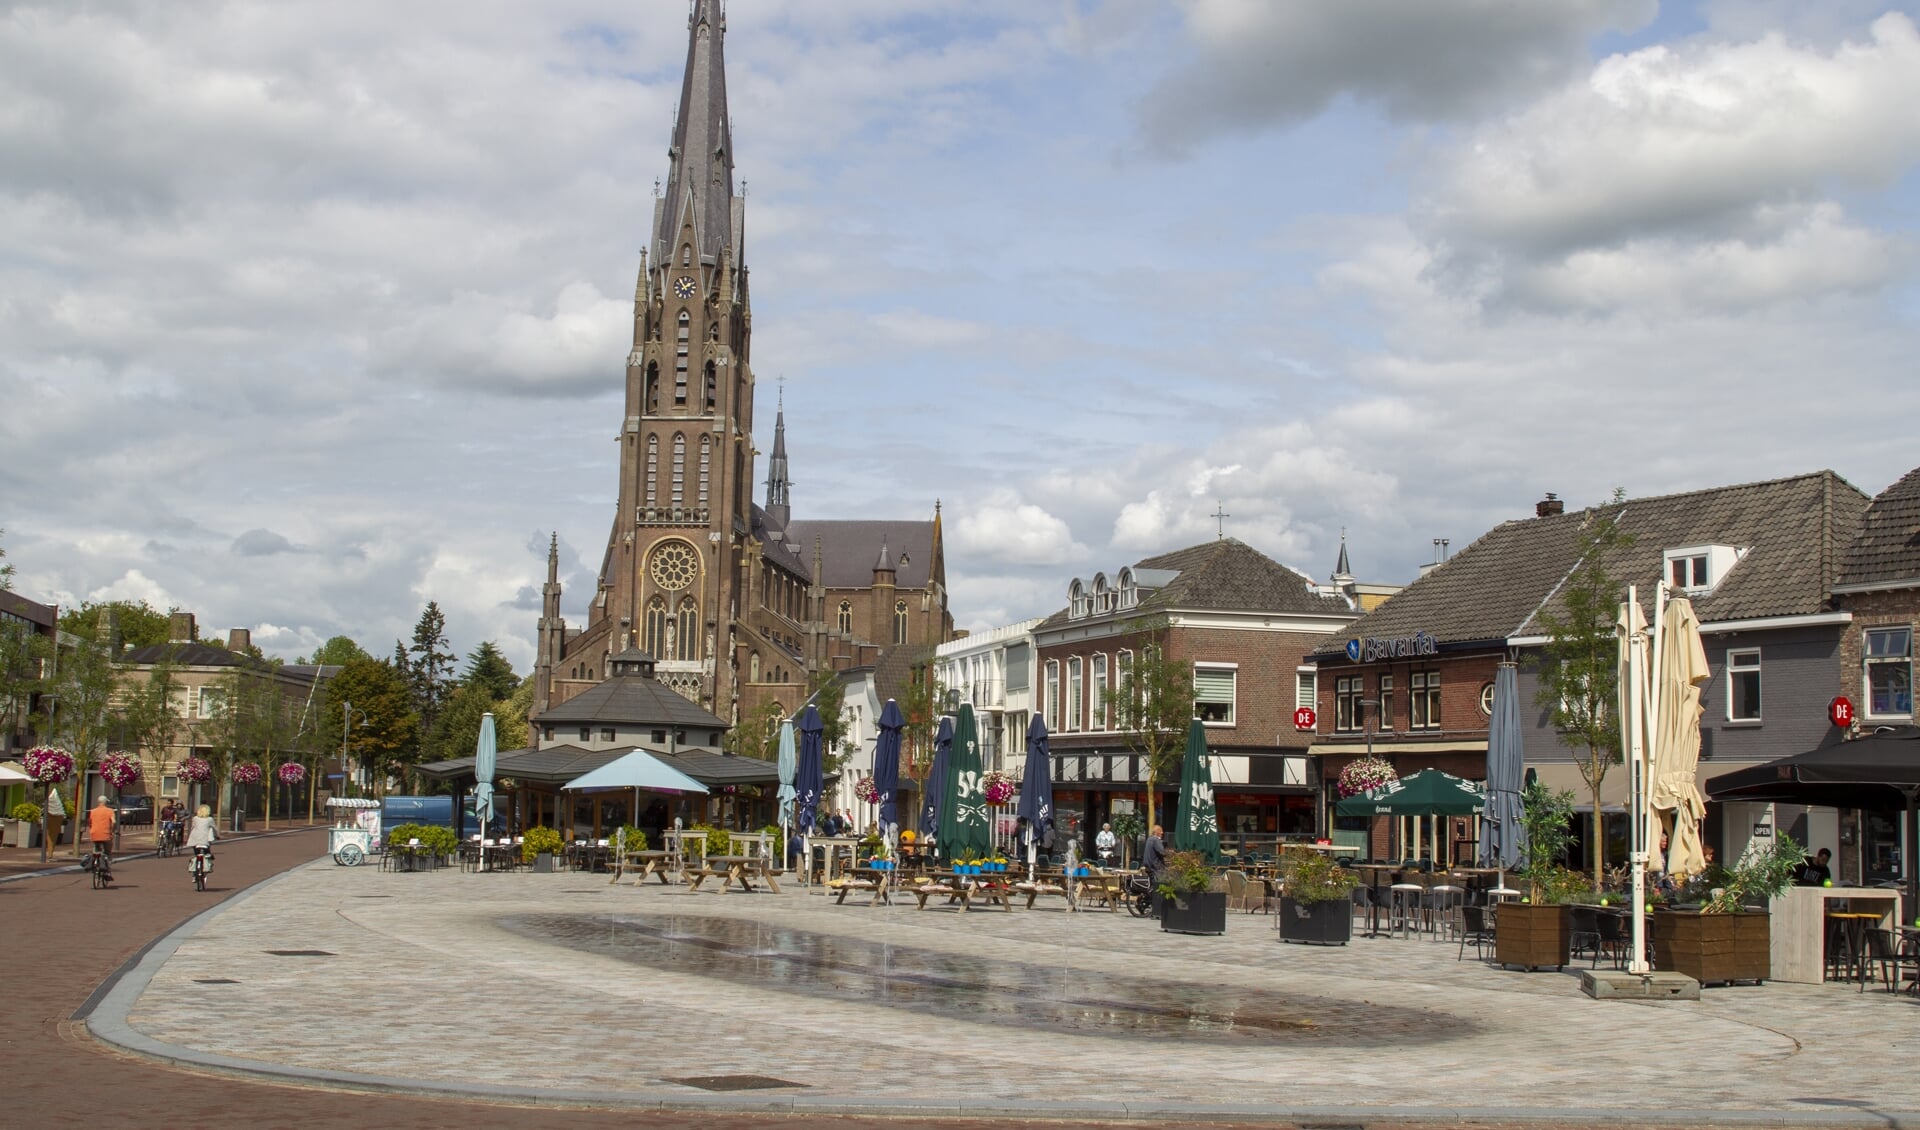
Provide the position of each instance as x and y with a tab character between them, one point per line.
347	711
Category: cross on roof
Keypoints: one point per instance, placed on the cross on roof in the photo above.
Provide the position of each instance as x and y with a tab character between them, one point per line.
1220	516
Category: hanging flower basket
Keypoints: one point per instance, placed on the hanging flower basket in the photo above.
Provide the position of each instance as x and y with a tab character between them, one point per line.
196	771
1000	788
867	791
1364	775
119	769
48	764
291	773
246	773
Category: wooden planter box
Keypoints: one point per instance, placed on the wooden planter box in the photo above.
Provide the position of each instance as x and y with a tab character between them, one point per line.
1316	924
1530	936
1713	949
1195	914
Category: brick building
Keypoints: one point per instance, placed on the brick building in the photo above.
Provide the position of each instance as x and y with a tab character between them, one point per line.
736	603
1759	561
1242	622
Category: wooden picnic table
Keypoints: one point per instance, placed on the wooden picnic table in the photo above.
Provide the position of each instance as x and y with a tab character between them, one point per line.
645	863
741	869
878	881
964	890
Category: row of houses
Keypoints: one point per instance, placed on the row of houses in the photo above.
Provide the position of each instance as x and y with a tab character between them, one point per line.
1807	589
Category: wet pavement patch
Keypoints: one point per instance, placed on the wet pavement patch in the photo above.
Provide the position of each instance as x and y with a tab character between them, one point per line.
215	981
994	991
303	953
734	1082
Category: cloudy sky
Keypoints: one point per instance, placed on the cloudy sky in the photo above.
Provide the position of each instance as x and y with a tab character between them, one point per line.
312	312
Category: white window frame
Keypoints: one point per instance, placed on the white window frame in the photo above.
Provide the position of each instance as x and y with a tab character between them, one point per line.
1076	696
1744	667
1349	693
1097	696
1306	688
1383	708
208	702
1231	671
1869	662
169	784
1050	694
1423	703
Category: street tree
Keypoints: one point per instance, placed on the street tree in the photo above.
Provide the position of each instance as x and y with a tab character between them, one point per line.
1152	706
385	744
490	671
430	661
148	721
757	734
510	717
336	652
1579	665
81	709
457	730
921	704
136	623
24	656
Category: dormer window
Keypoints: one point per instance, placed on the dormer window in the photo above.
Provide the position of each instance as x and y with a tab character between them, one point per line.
1700	568
1078	603
1129	592
1103	595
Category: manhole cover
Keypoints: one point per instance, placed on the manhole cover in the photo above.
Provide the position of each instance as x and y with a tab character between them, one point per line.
215	981
302	953
734	1082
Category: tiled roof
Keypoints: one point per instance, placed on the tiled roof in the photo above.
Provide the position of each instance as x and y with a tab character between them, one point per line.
1887	548
1223	575
31	611
196	654
1496	588
630	699
849	548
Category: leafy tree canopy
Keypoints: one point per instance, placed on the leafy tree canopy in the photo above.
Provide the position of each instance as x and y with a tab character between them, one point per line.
6	568
140	625
390	737
490	671
338	651
458	728
1152	706
757	734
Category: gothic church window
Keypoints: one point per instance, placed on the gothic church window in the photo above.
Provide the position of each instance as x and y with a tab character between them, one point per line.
689	629
706	464
753	668
900	621
657	627
712	389
679	471
680	362
675	566
653	471
846	617
653	387
686	255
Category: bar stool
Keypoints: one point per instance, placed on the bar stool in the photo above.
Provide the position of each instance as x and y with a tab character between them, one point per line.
1444	902
1406	907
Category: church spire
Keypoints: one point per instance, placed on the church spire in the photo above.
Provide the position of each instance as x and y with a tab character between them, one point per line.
700	178
779	486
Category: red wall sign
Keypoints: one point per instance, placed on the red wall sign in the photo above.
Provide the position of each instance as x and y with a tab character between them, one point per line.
1304	718
1840	711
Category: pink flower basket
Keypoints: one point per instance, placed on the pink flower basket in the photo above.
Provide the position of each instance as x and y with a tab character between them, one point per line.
48	764
999	787
246	773
291	773
119	769
196	771
1365	775
867	791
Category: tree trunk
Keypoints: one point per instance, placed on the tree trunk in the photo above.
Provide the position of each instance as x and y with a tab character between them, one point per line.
1599	824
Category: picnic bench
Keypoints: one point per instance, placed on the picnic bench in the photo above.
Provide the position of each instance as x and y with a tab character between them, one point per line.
965	894
878	883
732	869
1033	891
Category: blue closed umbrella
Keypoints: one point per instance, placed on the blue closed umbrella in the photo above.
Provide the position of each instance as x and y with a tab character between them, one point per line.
810	776
1036	782
886	764
936	779
1502	835
485	752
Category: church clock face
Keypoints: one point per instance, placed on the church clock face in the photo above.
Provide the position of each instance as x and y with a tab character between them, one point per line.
683	287
674	566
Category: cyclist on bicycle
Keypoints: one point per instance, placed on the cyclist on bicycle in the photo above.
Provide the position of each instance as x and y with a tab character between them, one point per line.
100	820
169	824
200	835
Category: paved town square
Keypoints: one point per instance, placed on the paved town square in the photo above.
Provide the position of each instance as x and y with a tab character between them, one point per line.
564	987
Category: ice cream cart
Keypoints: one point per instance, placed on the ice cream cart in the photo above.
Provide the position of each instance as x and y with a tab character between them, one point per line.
356	824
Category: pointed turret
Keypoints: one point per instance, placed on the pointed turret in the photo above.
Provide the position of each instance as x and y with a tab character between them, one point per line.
779	486
700	180
884	564
1342	570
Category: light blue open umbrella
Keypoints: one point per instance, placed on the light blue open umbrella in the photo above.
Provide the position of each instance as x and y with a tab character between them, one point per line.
636	770
1502	835
485	752
789	765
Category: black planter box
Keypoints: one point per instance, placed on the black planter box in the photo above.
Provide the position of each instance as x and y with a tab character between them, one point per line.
1204	913
1316	924
545	863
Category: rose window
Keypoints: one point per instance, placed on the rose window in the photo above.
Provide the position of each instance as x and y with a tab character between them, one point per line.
675	565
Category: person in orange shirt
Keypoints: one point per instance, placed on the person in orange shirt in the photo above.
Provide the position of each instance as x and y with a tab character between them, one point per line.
100	820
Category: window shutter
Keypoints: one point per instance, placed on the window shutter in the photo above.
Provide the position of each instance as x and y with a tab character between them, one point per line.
1213	684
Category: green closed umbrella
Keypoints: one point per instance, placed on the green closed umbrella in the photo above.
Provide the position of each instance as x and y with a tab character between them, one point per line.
1196	824
1427	793
963	794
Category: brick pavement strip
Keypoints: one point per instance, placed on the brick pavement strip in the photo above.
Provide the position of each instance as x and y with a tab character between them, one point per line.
443	982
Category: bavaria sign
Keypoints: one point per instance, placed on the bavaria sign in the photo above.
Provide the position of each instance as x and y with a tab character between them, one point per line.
1369	649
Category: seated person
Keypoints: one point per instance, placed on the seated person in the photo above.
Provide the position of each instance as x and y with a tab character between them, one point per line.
1816	872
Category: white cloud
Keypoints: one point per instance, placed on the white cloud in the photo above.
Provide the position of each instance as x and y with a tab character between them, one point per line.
1001	527
1265	63
491	341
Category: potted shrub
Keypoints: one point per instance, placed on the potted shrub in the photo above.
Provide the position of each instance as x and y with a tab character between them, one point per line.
1537	933
1188	902
1729	938
1316	905
540	846
24	828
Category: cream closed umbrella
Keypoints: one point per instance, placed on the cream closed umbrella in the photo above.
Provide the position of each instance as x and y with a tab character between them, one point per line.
1675	795
1631	628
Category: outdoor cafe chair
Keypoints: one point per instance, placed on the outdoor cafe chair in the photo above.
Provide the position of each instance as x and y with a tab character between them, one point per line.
1896	959
1406	907
1364	907
1584	933
1236	890
1611	939
1443	903
1476	928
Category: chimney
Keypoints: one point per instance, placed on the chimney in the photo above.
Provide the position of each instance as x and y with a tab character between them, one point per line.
239	639
182	629
1549	506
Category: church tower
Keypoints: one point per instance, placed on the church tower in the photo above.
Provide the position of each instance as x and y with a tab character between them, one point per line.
668	582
